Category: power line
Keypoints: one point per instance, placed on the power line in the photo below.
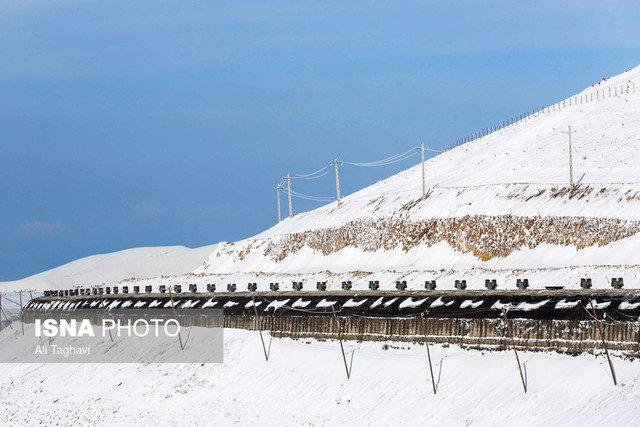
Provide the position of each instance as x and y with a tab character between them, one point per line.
312	198
323	171
311	175
314	177
389	160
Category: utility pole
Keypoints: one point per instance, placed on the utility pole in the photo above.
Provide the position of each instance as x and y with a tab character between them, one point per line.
424	190
289	192
278	192
336	163
570	162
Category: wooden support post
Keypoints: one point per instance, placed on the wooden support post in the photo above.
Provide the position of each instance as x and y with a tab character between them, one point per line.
426	342
335	318
513	344
6	317
255	310
21	324
104	311
174	313
50	311
604	344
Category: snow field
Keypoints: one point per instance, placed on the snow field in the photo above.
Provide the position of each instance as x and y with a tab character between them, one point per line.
304	383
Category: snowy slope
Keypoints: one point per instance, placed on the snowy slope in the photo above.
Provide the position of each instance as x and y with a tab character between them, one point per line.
501	202
304	383
477	177
114	267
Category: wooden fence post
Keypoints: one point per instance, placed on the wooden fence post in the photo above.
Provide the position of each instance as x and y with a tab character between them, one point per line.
524	384
426	341
604	344
21	324
104	313
335	318
174	313
255	310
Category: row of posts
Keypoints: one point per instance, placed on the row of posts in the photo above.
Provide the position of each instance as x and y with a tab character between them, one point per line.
402	284
630	87
490	284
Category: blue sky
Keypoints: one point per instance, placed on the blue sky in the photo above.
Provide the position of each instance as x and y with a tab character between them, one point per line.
126	124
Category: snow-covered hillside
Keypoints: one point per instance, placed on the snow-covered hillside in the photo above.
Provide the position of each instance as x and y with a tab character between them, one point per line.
114	267
496	204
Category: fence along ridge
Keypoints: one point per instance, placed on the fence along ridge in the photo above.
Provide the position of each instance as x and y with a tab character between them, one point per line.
596	95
